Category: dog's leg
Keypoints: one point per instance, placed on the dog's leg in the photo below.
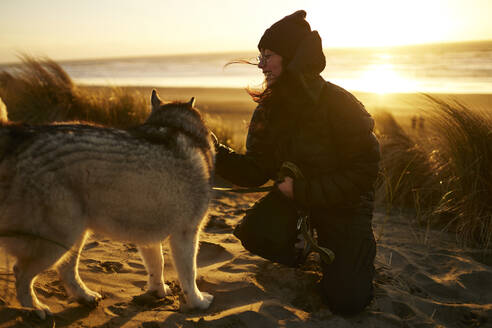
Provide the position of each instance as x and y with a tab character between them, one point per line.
43	254
154	262
68	270
184	246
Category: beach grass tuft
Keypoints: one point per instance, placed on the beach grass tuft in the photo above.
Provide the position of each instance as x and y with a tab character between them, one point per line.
463	143
406	174
444	174
40	91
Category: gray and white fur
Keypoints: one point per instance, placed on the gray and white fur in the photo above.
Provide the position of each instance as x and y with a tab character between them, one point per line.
59	182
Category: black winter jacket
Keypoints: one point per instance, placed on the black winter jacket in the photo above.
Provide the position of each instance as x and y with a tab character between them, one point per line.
330	141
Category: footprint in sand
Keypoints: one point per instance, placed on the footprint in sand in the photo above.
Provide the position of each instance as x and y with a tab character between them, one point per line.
91	245
216	222
150	300
238	265
210	253
106	266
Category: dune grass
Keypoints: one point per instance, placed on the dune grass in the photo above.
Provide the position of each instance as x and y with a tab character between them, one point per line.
464	154
40	91
444	173
406	176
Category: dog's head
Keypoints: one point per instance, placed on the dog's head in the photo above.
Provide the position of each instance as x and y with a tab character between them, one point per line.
157	103
182	116
164	112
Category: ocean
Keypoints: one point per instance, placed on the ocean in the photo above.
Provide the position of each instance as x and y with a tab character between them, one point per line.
438	68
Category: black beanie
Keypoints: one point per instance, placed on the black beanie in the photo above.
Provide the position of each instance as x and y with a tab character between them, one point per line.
284	36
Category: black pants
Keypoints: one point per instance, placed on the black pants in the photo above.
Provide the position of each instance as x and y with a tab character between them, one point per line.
347	281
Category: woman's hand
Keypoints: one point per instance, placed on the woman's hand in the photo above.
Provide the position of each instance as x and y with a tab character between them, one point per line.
287	187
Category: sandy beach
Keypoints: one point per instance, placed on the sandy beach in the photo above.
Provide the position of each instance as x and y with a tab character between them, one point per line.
424	279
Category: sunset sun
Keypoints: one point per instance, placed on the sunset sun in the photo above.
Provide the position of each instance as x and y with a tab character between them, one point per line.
382	78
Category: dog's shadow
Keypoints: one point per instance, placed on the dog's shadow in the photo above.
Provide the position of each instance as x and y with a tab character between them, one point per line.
121	312
70	315
27	318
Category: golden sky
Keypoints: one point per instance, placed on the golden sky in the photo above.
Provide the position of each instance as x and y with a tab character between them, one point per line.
71	29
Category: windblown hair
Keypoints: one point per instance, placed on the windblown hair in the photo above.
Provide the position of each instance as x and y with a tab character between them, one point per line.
259	95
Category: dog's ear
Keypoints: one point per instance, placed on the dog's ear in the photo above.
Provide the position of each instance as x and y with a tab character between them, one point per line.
191	103
155	100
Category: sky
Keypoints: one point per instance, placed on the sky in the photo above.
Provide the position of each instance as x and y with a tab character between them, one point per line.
76	29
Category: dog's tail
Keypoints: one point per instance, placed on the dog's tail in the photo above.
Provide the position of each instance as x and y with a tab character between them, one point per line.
3	112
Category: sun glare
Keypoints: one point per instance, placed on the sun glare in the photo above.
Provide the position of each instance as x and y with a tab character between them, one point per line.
382	79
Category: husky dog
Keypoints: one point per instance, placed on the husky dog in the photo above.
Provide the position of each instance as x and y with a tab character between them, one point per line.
59	182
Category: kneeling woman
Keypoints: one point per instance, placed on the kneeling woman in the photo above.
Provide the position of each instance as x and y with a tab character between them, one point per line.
326	133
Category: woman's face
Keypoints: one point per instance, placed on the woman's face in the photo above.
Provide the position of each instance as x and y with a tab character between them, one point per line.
271	65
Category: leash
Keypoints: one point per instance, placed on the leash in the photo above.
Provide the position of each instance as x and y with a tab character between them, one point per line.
244	190
287	169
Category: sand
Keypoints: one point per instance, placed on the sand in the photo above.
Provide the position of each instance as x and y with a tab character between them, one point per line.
423	278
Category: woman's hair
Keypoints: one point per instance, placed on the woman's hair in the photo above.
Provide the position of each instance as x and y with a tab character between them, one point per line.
263	94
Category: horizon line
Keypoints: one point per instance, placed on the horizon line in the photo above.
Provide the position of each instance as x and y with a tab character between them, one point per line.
184	54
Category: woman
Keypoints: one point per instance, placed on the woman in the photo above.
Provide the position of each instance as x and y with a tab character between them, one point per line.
325	134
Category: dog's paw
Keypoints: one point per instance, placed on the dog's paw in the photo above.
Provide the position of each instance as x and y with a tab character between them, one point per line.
89	298
161	291
206	301
42	311
202	302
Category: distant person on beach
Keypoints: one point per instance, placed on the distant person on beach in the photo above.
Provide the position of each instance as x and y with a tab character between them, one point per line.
315	140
